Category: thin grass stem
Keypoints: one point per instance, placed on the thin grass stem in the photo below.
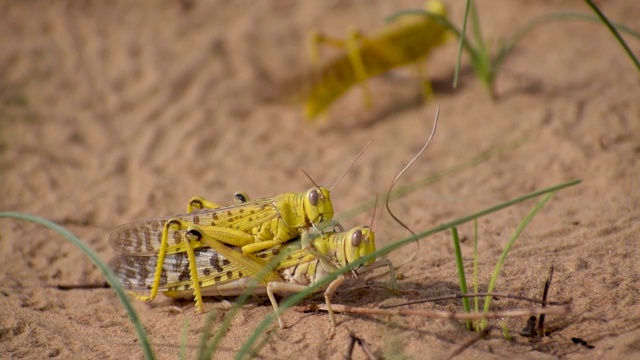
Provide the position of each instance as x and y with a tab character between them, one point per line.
507	249
461	277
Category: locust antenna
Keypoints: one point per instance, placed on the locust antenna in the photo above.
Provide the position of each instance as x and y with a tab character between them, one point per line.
373	217
397	177
310	179
350	166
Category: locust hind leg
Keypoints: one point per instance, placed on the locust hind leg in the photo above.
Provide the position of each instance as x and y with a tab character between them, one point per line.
175	225
250	264
193	271
315	39
353	48
196	237
355	57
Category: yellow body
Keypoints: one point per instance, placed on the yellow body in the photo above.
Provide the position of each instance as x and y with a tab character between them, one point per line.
272	220
221	274
253	225
408	39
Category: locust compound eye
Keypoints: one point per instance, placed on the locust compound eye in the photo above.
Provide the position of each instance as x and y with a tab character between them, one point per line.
313	197
356	238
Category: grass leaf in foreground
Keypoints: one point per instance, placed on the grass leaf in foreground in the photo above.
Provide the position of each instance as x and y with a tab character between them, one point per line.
615	33
461	275
108	274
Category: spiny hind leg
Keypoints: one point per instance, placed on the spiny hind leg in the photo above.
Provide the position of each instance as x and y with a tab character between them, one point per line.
193	270
174	225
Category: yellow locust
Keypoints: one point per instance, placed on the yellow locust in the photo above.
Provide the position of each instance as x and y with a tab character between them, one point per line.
299	264
252	225
407	39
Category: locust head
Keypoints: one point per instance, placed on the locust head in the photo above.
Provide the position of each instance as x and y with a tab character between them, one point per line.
358	242
317	205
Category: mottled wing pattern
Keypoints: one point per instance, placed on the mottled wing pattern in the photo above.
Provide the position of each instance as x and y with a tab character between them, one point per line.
137	272
144	237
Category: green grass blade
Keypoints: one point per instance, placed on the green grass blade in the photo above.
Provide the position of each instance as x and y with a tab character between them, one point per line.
204	351
522	31
475	263
387	249
615	33
183	339
210	350
462	38
482	62
505	332
507	249
262	327
108	274
477	30
461	276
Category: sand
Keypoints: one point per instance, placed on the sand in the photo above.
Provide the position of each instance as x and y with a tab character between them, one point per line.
119	111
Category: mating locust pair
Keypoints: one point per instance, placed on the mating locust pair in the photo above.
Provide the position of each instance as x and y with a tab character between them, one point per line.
270	246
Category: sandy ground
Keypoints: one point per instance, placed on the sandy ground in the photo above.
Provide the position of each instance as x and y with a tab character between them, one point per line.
111	113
